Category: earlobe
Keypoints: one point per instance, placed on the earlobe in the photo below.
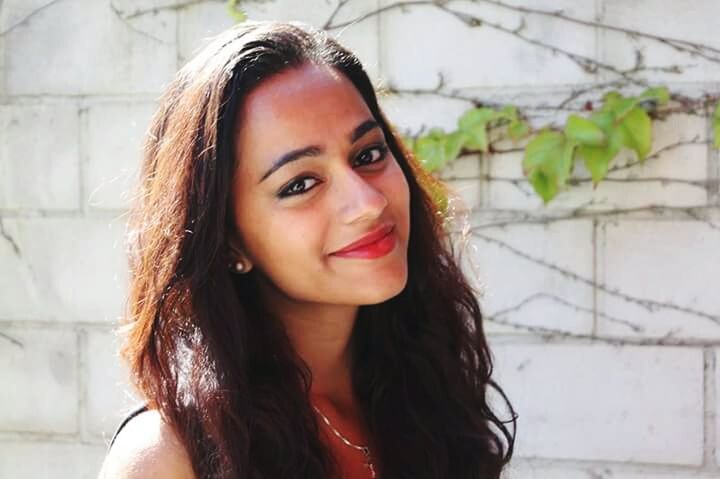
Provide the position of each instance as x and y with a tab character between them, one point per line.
242	266
239	262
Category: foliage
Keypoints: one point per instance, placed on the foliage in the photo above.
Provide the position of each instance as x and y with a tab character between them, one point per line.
436	148
238	14
621	122
550	156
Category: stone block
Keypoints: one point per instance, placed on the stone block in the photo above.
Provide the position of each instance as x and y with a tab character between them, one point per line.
199	22
116	132
50	460
98	47
62	269
683	19
39	157
420	36
109	394
535	276
605	403
39	371
658	279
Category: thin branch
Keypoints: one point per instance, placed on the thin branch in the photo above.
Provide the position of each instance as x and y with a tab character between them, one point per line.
633	327
333	14
28	17
664	180
647	304
658	153
4	234
170	6
581	213
675	43
587	64
12	340
552	334
393	6
120	16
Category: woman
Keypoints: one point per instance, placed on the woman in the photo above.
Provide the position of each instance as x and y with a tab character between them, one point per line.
295	307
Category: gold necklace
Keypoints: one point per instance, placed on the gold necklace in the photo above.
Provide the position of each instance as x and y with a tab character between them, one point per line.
364	449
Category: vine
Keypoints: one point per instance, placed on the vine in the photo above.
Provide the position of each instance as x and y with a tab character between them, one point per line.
603	120
550	154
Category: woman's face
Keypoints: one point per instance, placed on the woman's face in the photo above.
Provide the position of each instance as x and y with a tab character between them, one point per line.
314	175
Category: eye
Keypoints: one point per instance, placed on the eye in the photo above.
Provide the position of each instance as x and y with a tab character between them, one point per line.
374	154
297	187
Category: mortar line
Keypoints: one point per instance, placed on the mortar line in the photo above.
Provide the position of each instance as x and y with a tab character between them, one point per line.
82	384
83	133
596	280
709	408
713	161
600	76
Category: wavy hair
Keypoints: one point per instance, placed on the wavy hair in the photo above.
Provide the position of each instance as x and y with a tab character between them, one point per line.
222	372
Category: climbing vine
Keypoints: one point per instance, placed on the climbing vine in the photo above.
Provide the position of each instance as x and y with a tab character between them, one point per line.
594	137
621	122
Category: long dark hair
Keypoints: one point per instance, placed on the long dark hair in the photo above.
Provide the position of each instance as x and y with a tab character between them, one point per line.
222	373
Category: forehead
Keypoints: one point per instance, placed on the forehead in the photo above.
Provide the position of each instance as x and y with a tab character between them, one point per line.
308	105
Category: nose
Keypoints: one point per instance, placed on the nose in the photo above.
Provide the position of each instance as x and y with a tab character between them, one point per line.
359	200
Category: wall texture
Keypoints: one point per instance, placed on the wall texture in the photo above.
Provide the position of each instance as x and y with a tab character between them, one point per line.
603	307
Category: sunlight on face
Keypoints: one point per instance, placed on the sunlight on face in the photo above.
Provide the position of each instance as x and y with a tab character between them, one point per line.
313	176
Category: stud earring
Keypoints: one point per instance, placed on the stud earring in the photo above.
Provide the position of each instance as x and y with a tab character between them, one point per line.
241	267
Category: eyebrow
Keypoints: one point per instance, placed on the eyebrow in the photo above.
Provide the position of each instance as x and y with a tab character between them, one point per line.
315	150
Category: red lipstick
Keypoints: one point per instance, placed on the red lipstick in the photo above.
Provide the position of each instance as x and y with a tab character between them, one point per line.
375	244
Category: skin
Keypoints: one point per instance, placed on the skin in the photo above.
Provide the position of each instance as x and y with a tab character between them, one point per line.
289	241
147	447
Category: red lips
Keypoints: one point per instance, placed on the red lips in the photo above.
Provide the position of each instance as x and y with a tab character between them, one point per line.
377	242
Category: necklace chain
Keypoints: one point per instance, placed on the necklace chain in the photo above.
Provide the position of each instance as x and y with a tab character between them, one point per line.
364	449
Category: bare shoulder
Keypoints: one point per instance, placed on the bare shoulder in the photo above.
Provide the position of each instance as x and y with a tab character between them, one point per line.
147	447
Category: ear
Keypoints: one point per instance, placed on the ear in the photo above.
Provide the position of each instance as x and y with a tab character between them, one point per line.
236	252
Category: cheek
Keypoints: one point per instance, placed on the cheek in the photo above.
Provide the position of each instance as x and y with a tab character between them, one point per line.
288	242
396	189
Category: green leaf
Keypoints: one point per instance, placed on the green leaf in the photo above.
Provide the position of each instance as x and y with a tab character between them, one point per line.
584	131
518	129
542	149
564	166
636	129
597	160
454	143
474	124
430	149
716	125
618	105
605	120
622	107
233	8
548	162
610	99
544	185
659	93
509	112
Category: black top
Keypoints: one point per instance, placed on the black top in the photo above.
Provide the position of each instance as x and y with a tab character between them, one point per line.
130	415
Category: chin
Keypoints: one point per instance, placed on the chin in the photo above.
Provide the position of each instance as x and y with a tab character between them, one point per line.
383	291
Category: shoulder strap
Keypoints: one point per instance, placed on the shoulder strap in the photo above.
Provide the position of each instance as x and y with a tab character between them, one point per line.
137	410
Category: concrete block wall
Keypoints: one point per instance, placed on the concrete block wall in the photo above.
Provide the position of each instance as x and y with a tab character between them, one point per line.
602	307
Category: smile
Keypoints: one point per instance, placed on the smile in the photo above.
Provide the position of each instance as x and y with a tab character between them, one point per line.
383	244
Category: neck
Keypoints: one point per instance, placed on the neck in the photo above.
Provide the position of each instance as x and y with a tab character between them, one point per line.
320	334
